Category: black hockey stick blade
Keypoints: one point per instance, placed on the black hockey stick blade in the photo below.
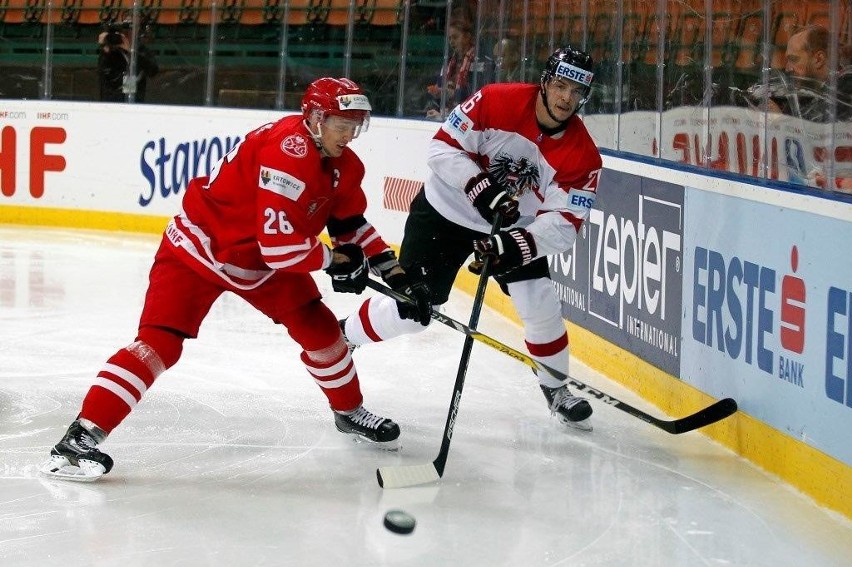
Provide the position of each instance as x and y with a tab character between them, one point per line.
711	414
702	418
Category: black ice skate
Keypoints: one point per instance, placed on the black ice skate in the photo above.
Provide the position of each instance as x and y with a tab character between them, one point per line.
76	456
569	409
350	346
363	425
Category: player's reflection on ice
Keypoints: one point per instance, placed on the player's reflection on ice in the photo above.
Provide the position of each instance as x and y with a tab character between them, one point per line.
26	281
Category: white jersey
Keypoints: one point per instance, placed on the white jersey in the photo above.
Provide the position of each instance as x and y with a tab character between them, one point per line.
554	178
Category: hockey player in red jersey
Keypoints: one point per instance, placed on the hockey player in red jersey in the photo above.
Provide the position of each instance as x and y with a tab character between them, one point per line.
251	227
520	150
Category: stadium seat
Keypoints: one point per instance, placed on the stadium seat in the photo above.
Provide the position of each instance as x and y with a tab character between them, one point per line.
644	14
304	12
384	12
725	31
227	12
89	12
602	32
784	24
749	43
24	11
69	10
111	10
174	12
253	13
578	30
633	29
338	12
687	40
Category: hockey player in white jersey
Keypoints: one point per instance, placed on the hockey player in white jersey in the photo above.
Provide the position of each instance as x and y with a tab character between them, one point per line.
519	149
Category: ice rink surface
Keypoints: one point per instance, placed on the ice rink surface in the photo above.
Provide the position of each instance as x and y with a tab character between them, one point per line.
232	458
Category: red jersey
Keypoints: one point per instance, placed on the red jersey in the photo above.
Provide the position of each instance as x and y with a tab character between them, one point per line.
264	205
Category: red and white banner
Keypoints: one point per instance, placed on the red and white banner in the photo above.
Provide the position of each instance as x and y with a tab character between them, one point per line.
398	193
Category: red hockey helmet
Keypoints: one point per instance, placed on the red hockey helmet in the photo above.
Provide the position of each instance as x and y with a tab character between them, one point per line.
336	97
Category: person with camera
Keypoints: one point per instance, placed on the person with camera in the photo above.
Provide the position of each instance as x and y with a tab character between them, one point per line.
117	83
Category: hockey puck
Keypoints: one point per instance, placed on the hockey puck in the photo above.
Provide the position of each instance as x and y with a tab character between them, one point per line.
399	522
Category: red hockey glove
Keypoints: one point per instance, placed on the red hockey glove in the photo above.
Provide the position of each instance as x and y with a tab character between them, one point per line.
509	249
489	196
349	276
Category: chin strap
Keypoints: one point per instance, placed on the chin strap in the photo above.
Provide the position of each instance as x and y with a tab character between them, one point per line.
317	138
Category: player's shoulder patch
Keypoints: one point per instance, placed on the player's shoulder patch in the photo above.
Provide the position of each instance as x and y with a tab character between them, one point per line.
581	199
295	145
281	183
458	122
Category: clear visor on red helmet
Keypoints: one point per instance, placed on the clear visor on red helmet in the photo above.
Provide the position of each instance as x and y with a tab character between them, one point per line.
354	109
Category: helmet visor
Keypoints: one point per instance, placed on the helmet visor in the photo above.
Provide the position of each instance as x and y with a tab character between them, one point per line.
352	124
353	110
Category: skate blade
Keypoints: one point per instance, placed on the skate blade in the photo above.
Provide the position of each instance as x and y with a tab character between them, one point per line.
391	446
60	467
582	425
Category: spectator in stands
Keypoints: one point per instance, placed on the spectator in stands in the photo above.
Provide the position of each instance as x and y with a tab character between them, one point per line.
807	63
457	74
507	62
116	84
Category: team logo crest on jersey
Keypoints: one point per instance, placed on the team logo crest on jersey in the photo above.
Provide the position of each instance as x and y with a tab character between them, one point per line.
295	145
518	176
281	183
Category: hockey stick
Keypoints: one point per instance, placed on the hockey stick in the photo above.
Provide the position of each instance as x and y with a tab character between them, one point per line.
412	475
711	414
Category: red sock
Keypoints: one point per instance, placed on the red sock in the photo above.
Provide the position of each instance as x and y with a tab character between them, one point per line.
332	368
128	374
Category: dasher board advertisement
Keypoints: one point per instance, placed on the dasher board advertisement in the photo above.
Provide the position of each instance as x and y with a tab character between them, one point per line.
768	315
622	280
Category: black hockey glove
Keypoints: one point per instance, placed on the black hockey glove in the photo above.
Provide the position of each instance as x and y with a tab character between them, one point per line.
383	264
508	249
349	276
489	196
418	291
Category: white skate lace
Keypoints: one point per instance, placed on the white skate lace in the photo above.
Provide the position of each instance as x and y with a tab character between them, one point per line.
366	419
563	398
